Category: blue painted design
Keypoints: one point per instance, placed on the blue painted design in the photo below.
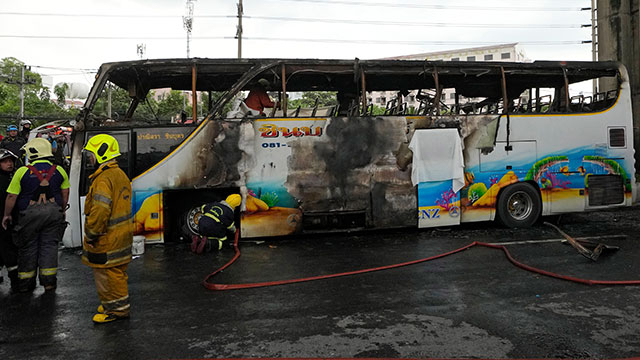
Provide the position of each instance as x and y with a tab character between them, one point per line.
273	189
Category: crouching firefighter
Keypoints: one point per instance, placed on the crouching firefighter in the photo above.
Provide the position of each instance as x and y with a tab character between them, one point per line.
214	223
108	229
40	191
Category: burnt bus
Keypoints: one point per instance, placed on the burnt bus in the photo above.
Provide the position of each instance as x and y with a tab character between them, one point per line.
448	142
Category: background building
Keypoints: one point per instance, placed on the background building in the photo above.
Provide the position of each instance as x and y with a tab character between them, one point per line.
619	39
506	52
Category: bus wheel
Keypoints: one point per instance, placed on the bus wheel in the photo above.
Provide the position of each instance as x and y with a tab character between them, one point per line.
188	223
519	205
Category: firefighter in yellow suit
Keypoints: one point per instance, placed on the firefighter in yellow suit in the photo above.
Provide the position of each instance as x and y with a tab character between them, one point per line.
108	229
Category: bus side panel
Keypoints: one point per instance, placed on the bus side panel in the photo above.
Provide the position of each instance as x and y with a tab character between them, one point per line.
328	166
558	153
573	147
148	215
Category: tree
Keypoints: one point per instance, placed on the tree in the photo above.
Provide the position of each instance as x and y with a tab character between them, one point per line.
171	105
45	95
61	93
36	97
10	76
308	100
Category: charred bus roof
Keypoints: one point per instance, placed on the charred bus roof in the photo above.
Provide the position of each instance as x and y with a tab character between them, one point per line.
334	75
470	79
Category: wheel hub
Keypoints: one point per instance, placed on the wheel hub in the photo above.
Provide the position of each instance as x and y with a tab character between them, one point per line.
520	205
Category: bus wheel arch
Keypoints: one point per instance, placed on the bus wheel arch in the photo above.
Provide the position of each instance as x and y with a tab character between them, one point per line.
519	205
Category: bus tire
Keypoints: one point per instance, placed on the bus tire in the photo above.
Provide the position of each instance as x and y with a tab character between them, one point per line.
519	205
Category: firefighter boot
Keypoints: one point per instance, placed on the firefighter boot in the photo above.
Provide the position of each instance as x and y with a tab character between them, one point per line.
198	243
105	318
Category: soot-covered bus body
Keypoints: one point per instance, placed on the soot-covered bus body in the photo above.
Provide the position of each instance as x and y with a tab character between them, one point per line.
514	142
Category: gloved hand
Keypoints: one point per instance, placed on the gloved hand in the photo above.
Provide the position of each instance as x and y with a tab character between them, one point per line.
90	243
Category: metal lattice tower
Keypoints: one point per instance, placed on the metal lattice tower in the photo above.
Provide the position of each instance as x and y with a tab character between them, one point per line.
187	23
141	49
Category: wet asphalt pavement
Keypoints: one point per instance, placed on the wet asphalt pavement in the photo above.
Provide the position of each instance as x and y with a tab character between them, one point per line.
471	304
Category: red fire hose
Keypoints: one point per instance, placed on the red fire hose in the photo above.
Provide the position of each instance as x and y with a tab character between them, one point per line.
220	287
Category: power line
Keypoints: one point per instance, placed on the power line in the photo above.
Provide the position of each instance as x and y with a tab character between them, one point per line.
421	24
419	42
334	21
64	74
353	41
441	7
63	68
102	15
76	37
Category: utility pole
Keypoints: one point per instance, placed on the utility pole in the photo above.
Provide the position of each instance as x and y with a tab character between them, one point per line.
239	29
22	82
22	91
187	23
594	42
109	100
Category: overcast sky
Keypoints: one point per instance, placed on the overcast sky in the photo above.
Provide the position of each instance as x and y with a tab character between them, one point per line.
549	29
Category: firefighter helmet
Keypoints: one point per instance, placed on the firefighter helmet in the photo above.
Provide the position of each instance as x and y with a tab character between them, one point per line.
104	147
37	148
4	153
23	123
234	200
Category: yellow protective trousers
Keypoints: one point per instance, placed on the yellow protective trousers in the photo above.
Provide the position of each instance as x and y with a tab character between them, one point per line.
113	291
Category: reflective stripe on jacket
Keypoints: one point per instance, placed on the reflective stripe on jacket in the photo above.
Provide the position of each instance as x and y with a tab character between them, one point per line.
222	213
108	226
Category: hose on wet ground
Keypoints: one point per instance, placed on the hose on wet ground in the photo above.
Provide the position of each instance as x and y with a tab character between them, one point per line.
221	287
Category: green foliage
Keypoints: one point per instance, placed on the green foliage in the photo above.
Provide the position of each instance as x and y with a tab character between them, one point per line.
270	198
476	191
165	108
171	105
61	92
377	110
543	164
119	102
215	96
37	101
308	100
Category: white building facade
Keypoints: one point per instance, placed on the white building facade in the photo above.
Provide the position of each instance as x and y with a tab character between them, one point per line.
506	52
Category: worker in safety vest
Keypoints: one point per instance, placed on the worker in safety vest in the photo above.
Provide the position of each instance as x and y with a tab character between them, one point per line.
108	232
40	191
214	223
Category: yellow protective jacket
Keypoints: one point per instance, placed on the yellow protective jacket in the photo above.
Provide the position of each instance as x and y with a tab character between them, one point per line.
108	226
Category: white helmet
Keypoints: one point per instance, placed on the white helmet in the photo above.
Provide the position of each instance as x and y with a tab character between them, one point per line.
37	148
23	123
